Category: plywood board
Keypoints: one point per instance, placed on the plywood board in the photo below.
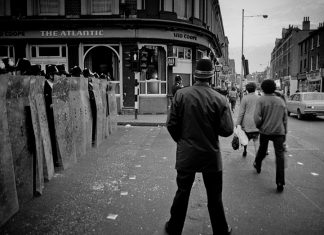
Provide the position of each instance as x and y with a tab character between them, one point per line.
8	194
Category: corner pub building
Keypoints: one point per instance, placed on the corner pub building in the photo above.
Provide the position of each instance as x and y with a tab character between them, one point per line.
102	34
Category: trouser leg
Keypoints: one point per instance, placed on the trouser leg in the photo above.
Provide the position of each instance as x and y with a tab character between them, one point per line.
180	202
214	182
263	147
278	142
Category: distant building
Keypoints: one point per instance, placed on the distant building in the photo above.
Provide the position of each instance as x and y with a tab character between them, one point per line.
284	62
311	61
101	35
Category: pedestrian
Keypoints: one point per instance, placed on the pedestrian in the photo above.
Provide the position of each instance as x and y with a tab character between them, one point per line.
232	96
270	117
177	84
198	116
245	116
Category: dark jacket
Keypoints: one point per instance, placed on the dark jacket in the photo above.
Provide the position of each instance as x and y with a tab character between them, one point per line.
176	87
197	117
270	115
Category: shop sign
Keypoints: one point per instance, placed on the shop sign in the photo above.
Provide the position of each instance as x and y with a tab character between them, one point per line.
313	76
225	68
71	33
218	68
12	34
171	61
185	36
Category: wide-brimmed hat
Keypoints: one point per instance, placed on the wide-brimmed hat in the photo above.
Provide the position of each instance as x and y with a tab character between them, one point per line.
204	69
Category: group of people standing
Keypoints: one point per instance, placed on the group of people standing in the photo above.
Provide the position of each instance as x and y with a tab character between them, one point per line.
198	116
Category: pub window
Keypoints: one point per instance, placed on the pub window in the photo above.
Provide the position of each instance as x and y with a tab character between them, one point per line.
48	51
153	79
6	51
182	53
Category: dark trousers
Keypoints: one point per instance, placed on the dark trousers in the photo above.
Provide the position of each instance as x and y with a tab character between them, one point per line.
213	183
278	144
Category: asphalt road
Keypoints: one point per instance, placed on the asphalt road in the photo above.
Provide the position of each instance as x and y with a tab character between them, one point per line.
126	186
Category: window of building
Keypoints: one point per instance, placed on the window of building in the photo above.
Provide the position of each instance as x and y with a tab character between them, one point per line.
101	7
49	7
301	66
46	7
304	63
305	47
182	53
318	40
312	43
48	51
7	51
317	62
153	79
311	63
5	8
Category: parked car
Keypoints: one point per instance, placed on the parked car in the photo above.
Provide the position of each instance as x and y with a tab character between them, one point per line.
306	104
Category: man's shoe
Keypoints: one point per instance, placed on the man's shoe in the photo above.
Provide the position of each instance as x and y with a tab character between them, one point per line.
280	188
244	154
169	231
167	228
258	168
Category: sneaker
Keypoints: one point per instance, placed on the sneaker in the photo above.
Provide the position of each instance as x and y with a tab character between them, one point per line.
280	188
258	168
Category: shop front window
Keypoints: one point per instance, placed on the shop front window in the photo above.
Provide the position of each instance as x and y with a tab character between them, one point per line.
153	78
6	51
182	53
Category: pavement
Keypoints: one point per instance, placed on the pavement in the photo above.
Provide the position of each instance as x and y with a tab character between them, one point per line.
126	186
142	120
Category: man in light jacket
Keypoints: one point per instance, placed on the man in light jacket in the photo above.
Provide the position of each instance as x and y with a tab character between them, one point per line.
270	117
245	117
198	116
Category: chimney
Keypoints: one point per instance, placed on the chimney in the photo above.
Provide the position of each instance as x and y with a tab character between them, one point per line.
306	24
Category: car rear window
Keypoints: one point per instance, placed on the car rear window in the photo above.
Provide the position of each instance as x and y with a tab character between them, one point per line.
314	96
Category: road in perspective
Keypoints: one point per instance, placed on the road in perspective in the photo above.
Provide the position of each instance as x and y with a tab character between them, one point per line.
126	186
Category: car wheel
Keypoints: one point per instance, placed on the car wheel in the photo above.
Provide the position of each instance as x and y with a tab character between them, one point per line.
288	113
299	115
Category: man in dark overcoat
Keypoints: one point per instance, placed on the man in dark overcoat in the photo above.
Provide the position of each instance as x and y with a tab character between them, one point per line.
198	116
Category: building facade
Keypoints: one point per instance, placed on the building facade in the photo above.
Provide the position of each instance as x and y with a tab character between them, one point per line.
284	62
311	61
102	34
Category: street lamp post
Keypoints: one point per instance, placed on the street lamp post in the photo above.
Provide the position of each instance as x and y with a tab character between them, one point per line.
242	54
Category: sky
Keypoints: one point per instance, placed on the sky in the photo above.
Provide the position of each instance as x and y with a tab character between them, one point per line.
259	33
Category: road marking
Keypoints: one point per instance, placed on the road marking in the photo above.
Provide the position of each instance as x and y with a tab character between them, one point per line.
138	166
314	174
307	198
133	177
300	163
112	216
123	193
